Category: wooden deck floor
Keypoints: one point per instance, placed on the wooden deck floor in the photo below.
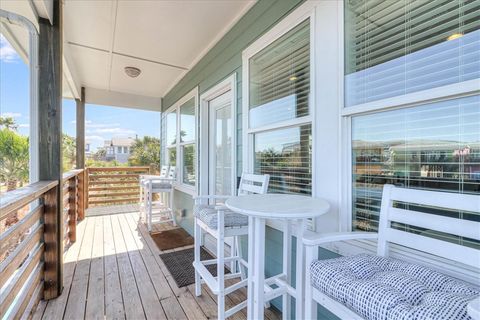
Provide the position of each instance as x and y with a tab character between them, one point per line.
114	271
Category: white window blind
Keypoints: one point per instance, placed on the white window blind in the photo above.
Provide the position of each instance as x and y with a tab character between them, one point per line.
280	79
279	89
431	147
398	47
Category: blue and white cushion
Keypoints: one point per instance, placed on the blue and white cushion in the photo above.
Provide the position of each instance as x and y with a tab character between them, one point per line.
380	288
208	214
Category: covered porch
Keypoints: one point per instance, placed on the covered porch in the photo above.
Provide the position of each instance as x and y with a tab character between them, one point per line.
325	100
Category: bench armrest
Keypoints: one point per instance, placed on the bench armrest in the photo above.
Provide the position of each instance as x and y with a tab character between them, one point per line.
315	239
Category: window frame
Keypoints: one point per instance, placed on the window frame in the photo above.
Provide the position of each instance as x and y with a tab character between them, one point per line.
175	108
414	99
304	12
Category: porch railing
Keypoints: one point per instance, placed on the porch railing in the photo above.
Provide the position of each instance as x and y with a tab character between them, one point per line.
28	246
113	185
73	204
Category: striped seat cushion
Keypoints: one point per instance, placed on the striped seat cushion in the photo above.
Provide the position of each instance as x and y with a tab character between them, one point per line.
386	288
208	215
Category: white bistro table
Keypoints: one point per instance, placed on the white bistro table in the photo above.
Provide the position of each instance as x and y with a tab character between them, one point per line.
287	208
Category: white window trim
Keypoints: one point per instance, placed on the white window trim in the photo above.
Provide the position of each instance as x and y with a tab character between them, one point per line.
175	108
33	40
304	12
452	91
228	84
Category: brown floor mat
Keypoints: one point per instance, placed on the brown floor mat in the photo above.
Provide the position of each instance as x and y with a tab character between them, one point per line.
172	239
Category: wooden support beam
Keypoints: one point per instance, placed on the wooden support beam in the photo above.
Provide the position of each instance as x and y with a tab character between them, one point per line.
50	144
80	141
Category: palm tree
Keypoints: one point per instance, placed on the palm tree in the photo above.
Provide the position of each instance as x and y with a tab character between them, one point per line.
8	123
13	158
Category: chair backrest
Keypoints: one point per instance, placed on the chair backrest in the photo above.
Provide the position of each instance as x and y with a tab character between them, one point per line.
172	171
164	171
253	183
401	205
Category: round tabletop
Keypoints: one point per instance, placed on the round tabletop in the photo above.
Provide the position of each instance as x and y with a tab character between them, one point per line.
278	206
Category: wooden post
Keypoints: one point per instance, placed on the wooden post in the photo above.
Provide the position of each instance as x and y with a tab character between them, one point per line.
50	144
80	141
73	204
52	284
86	186
81	195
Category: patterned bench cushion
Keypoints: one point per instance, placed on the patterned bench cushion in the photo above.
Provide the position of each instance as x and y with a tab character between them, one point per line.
386	288
208	215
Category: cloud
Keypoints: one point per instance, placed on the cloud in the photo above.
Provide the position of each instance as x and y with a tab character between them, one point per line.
94	138
24	125
11	114
117	130
7	53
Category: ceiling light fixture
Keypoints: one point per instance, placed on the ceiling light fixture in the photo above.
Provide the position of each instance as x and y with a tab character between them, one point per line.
132	72
455	36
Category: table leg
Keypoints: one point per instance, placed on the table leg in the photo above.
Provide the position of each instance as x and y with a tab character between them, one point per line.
287	268
259	270
250	275
299	287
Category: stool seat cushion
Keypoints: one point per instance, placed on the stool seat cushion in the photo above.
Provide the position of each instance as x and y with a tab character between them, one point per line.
208	214
387	288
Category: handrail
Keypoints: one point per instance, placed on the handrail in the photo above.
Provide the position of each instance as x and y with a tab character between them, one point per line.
29	257
113	185
14	200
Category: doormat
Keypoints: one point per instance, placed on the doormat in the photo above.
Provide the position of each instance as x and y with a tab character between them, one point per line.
179	264
171	239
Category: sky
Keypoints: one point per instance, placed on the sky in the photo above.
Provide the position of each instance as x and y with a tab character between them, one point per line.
102	122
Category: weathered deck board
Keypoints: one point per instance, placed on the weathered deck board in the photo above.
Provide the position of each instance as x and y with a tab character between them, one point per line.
114	271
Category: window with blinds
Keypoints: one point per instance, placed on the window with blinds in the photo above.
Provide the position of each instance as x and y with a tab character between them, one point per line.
431	147
394	48
285	155
279	89
280	79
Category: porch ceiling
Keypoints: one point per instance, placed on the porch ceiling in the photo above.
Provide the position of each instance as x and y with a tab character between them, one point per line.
163	38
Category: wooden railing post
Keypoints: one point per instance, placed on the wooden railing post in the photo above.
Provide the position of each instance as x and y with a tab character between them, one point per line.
72	212
81	195
53	237
86	185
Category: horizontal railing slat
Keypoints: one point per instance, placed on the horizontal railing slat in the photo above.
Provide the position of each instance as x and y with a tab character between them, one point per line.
13	261
10	237
13	200
8	295
114	169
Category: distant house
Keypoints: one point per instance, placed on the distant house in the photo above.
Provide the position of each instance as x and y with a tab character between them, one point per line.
88	150
118	149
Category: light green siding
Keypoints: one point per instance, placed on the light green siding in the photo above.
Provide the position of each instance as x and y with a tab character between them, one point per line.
220	62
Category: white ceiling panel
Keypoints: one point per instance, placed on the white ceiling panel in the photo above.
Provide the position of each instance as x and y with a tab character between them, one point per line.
174	32
163	38
92	66
153	81
89	23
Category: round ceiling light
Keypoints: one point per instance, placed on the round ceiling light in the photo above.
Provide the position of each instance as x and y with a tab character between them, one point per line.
132	72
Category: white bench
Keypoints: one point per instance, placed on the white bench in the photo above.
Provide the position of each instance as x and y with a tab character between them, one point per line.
380	287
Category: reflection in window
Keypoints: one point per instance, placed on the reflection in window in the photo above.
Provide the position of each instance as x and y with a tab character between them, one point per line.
172	156
171	128
394	48
187	121
280	78
432	147
188	153
285	154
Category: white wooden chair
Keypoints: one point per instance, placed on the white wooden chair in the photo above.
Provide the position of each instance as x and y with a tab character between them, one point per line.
215	219
165	187
143	194
371	286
